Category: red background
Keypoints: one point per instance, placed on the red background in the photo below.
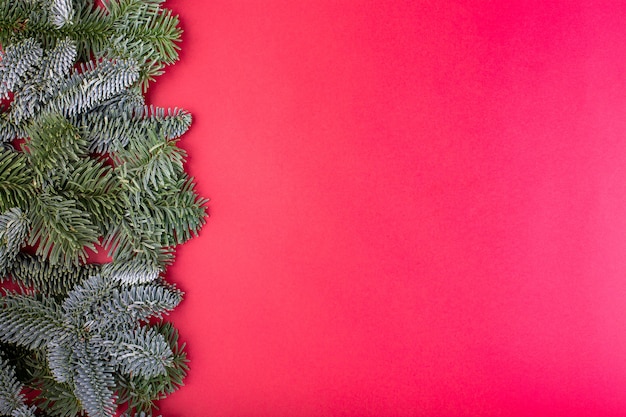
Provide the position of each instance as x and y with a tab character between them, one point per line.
417	208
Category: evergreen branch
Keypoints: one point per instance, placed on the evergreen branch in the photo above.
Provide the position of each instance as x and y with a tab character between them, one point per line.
96	189
74	74
80	306
54	144
95	331
106	131
9	130
154	162
32	19
61	13
180	209
60	357
112	130
13	233
92	84
38	274
12	16
130	29
90	29
16	180
136	236
133	12
127	306
43	81
163	32
93	379
55	398
179	368
24	411
154	34
61	231
139	392
128	101
143	352
15	62
57	64
12	401
99	306
148	70
139	414
167	123
135	271
29	321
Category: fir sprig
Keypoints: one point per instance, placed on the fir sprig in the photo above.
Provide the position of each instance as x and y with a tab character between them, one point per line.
97	330
141	30
141	205
12	400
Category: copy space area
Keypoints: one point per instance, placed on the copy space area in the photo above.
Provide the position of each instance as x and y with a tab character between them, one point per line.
417	208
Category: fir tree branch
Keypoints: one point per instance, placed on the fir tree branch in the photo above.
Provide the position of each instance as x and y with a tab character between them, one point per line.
139	392
127	306
61	13
12	401
29	321
93	379
60	357
139	414
180	209
80	305
153	162
42	81
55	398
135	271
61	232
15	62
37	274
92	84
9	130
94	186
54	144
16	181
92	336
136	236
112	129
13	232
130	29
142	352
74	73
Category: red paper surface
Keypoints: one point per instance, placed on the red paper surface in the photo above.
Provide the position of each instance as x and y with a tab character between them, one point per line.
418	208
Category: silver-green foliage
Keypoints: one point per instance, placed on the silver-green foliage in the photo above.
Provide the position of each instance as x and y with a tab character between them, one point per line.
135	196
84	161
141	30
97	330
12	401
